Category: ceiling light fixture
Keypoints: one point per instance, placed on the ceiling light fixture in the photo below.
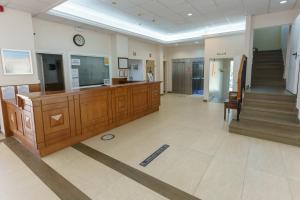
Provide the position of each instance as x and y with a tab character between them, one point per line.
189	14
76	12
283	2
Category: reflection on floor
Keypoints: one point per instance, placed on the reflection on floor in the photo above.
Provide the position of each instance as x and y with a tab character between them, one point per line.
203	159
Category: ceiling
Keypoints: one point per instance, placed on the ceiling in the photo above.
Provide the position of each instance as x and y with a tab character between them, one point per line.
171	16
32	6
161	20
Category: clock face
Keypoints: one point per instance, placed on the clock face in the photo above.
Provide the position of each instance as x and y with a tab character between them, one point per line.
79	40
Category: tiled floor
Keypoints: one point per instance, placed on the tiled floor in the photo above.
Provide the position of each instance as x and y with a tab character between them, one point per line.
203	158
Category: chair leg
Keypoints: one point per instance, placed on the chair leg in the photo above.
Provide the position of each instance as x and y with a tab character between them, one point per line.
225	109
238	112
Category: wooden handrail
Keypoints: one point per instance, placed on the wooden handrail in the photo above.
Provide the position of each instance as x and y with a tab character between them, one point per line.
241	78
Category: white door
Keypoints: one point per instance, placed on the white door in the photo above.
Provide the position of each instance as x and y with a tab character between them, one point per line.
293	69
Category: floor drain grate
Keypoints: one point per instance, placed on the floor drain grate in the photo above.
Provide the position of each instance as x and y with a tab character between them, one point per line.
107	137
154	155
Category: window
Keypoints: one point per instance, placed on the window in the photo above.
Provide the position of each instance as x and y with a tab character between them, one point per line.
88	71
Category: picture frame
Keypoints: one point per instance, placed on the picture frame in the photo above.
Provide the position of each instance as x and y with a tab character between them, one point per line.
150	77
122	63
16	62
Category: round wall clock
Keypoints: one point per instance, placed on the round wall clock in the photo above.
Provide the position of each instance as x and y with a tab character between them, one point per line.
79	40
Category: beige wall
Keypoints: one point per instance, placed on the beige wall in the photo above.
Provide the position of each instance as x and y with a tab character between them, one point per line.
180	51
267	38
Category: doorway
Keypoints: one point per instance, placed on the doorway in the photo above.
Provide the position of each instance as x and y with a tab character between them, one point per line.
165	77
198	77
220	79
188	76
51	72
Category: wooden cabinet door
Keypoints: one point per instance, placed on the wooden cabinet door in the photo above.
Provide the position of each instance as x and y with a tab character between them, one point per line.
28	124
155	96
15	120
140	100
121	105
56	120
94	112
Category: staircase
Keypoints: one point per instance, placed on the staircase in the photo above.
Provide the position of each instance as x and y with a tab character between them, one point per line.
268	69
268	111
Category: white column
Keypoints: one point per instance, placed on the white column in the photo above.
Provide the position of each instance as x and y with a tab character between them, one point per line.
249	48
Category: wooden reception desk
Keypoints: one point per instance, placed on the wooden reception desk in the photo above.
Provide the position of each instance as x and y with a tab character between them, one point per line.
47	122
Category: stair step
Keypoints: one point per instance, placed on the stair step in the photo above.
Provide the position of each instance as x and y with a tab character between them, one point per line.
266	83
270	104
263	131
270	96
277	66
269	114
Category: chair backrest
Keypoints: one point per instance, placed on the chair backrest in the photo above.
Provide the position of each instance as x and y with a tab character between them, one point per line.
242	78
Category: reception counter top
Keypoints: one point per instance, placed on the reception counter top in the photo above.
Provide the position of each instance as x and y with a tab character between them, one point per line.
47	122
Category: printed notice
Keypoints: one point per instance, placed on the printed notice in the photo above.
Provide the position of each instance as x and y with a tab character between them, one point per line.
75	82
75	73
75	62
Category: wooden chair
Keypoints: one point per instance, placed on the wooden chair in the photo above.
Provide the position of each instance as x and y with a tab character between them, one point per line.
236	98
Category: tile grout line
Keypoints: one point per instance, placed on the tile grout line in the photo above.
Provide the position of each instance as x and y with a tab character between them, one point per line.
60	186
287	178
210	163
140	177
246	168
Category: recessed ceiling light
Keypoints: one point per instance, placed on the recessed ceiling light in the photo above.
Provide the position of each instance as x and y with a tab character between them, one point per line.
283	2
189	14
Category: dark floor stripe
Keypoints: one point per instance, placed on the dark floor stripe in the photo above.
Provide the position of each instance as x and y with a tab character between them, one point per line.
148	181
57	183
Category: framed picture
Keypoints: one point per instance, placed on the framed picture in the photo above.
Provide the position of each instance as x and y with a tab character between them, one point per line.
123	63
16	62
150	77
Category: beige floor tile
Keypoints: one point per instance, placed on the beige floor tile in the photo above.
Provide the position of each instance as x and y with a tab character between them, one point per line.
235	148
260	186
126	189
291	160
266	156
18	181
223	180
294	187
187	170
85	173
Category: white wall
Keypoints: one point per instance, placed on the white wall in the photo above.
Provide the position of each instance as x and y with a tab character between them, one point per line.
51	37
222	47
17	33
178	52
285	34
268	38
